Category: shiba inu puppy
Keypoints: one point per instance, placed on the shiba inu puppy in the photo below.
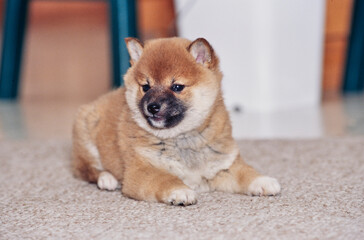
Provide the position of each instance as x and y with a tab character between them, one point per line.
166	134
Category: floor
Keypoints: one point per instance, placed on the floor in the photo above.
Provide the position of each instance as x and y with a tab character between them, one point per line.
340	116
322	197
336	116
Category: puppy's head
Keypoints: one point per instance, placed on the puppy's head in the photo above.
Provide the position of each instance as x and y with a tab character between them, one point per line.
172	84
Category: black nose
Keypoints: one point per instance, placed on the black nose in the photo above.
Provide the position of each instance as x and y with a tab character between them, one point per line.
154	108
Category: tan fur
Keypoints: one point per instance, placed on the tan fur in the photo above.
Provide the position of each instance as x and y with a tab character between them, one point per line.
110	134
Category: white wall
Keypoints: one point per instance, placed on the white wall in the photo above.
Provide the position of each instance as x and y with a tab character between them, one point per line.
270	50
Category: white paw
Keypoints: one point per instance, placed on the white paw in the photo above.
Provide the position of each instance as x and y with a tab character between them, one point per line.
182	197
264	186
107	181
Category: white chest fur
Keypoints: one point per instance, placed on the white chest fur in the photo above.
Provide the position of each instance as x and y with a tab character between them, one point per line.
190	158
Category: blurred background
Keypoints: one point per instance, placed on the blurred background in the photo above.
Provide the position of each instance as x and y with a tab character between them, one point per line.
293	69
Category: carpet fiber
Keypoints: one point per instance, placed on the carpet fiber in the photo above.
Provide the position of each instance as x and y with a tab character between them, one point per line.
322	197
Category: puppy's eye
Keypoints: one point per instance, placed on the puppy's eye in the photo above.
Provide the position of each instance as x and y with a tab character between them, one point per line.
177	87
146	87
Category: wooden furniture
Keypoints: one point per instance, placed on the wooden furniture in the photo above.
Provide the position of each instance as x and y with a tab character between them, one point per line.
156	19
122	22
337	30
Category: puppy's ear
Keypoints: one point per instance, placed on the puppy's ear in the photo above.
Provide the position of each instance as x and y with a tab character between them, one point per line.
135	49
203	53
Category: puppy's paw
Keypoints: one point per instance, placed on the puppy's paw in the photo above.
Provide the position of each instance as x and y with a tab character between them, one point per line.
182	197
264	186
107	181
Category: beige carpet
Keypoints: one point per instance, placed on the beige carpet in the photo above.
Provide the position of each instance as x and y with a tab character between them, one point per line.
322	197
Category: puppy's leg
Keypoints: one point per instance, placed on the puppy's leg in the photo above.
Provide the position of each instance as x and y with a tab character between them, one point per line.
83	168
241	178
142	181
86	157
88	170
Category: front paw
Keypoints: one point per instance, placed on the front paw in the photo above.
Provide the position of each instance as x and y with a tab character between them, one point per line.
264	186
181	197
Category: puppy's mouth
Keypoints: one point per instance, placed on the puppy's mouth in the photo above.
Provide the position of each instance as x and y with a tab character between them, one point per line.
163	120
156	121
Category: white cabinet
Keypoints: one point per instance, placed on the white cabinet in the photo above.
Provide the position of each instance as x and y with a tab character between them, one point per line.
270	50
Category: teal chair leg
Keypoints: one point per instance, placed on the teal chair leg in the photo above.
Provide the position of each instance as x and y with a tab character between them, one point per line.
123	24
13	38
354	74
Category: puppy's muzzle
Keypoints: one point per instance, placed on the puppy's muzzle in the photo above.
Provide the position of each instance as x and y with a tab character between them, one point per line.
161	108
